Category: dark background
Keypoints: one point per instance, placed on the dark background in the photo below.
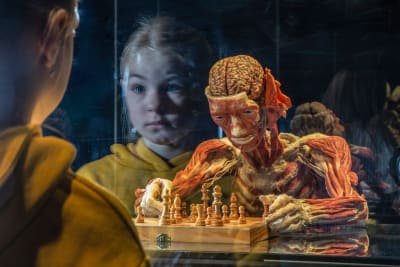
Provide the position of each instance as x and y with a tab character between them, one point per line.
303	42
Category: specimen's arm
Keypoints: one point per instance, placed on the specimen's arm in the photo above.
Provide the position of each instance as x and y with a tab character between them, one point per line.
210	161
330	160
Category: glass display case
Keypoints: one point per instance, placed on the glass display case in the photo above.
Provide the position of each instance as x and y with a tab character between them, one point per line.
342	54
373	246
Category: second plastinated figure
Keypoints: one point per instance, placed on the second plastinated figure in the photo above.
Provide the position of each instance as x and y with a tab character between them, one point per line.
307	181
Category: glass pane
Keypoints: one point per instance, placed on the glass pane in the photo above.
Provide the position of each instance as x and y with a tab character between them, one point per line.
342	54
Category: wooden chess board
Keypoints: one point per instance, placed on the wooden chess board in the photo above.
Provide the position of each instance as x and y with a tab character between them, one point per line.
187	232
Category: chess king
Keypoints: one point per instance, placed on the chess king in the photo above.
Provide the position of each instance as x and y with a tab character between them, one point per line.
303	181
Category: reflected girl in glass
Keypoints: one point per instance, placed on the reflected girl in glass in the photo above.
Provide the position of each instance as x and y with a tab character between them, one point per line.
164	69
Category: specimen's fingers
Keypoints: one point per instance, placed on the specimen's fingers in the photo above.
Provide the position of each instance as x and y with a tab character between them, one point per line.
151	206
280	213
295	227
150	212
153	190
267	199
283	225
155	204
281	201
151	199
166	188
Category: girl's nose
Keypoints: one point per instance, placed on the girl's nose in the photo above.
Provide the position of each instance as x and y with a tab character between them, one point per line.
153	101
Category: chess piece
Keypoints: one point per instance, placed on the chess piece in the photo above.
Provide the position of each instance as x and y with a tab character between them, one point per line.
209	215
233	207
200	218
242	218
205	197
139	218
193	213
177	206
164	218
225	217
184	211
266	210
172	219
216	219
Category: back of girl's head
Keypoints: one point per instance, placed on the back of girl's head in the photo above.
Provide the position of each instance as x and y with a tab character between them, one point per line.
176	39
26	13
22	21
24	18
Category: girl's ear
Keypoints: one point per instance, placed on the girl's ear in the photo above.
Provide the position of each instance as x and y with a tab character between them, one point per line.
53	37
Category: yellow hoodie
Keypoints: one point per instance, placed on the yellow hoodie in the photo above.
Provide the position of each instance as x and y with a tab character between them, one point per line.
130	167
51	217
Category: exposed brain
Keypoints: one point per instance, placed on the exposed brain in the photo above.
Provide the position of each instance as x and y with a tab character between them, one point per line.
233	75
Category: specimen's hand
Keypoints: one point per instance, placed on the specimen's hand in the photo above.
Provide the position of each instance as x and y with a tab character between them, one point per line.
287	214
152	201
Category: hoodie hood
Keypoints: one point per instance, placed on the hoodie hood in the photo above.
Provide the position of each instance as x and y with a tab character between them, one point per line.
30	167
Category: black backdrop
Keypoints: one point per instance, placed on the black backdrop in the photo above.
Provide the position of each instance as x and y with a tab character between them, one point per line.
304	42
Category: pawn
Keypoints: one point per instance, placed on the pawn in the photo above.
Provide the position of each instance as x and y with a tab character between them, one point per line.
193	213
242	218
164	218
204	196
139	218
266	209
172	219
234	207
184	211
177	206
209	214
225	217
200	217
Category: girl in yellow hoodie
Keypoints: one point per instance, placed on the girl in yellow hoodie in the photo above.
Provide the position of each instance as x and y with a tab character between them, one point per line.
164	67
49	215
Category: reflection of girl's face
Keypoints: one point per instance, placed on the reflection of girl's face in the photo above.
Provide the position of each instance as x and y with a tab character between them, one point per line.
157	97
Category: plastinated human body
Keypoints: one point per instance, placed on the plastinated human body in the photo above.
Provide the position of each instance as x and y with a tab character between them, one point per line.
305	180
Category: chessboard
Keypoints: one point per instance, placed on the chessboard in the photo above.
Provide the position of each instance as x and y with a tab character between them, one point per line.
247	233
218	224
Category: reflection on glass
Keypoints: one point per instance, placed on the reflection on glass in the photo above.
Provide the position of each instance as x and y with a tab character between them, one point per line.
163	71
354	243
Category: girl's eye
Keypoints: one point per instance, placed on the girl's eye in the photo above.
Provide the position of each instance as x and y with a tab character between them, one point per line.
248	112
219	117
138	89
173	88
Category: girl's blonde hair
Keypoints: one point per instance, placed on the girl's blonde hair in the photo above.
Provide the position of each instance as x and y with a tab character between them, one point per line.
178	40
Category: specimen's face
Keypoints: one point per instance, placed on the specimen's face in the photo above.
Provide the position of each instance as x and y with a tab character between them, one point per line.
239	117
